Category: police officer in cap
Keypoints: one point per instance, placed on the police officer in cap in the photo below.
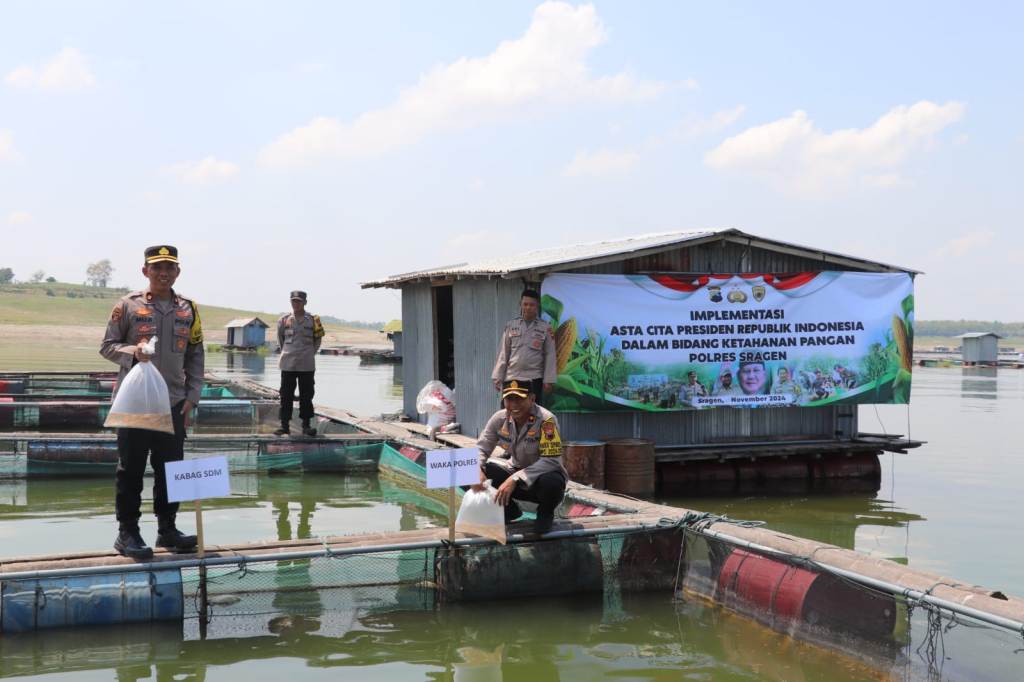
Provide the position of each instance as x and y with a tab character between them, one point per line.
298	337
156	311
531	466
527	350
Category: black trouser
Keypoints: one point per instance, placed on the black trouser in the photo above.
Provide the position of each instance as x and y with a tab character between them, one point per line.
133	447
288	381
546	491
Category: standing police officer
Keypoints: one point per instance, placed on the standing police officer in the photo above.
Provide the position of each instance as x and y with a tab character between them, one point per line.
527	350
174	320
298	337
531	468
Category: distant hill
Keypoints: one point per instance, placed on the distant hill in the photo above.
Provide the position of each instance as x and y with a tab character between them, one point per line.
59	303
957	327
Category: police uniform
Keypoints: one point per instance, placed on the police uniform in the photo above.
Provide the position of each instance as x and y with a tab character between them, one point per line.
533	457
788	387
527	354
689	392
298	337
180	359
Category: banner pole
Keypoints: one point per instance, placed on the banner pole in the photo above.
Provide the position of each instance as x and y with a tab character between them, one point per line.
204	604
451	498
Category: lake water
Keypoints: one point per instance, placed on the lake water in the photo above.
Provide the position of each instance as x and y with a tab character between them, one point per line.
949	507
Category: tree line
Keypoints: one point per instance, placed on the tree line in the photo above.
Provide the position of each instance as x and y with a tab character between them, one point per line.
98	274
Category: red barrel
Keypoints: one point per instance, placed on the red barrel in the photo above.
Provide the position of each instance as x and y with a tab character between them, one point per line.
629	466
781	594
584	460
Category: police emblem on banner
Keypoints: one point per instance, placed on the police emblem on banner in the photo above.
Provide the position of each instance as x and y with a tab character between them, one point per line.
715	294
758	292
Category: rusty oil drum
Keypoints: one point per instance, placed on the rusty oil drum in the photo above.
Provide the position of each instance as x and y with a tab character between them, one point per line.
584	460
629	466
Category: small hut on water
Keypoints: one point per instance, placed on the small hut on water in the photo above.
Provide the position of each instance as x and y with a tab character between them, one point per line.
453	316
980	348
246	332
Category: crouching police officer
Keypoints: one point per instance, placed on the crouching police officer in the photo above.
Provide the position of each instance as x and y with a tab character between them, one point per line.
531	467
174	320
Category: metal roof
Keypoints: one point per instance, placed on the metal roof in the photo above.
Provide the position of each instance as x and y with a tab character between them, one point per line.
582	255
978	335
244	321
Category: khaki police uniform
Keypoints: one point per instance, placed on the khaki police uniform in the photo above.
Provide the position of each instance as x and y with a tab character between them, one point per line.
527	353
788	387
532	457
180	359
298	337
179	348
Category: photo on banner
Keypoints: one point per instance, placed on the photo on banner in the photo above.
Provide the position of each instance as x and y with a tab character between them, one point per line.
660	343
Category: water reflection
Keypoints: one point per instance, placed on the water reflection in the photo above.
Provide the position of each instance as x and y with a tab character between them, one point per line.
342	381
245	362
979	382
40	515
652	637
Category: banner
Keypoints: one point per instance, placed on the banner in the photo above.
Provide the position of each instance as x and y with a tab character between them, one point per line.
666	343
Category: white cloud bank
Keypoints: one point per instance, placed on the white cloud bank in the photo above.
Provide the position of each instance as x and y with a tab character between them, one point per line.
795	155
207	171
19	218
600	163
7	152
964	244
66	71
545	66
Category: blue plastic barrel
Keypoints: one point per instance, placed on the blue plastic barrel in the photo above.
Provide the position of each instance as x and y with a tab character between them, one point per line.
111	599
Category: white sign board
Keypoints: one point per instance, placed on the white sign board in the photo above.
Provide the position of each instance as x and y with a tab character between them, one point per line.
449	468
197	479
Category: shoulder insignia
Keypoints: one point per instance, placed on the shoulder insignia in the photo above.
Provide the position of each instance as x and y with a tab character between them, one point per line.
550	439
195	336
118	312
318	327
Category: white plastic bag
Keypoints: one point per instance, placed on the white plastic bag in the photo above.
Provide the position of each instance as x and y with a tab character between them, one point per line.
437	401
142	400
481	515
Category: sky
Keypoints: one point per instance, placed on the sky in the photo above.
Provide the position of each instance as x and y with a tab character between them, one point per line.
316	145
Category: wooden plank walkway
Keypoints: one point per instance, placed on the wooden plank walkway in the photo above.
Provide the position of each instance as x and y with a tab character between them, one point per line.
197	438
252	551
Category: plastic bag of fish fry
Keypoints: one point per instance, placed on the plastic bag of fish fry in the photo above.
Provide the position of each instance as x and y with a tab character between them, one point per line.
481	515
142	400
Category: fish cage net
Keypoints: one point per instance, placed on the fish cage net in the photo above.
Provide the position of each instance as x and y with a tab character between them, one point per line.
902	637
254	595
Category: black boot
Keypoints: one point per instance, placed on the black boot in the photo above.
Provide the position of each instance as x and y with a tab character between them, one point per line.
544	522
512	511
283	431
306	429
129	543
173	539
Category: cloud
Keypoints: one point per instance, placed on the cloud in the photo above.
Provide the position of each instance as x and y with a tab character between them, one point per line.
544	66
66	71
795	155
19	218
7	151
964	244
205	172
602	162
698	126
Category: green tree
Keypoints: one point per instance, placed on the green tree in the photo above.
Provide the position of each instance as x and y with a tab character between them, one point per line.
38	275
6	275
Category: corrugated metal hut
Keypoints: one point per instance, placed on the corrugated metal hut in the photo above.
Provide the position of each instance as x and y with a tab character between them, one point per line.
453	316
393	330
247	332
980	348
